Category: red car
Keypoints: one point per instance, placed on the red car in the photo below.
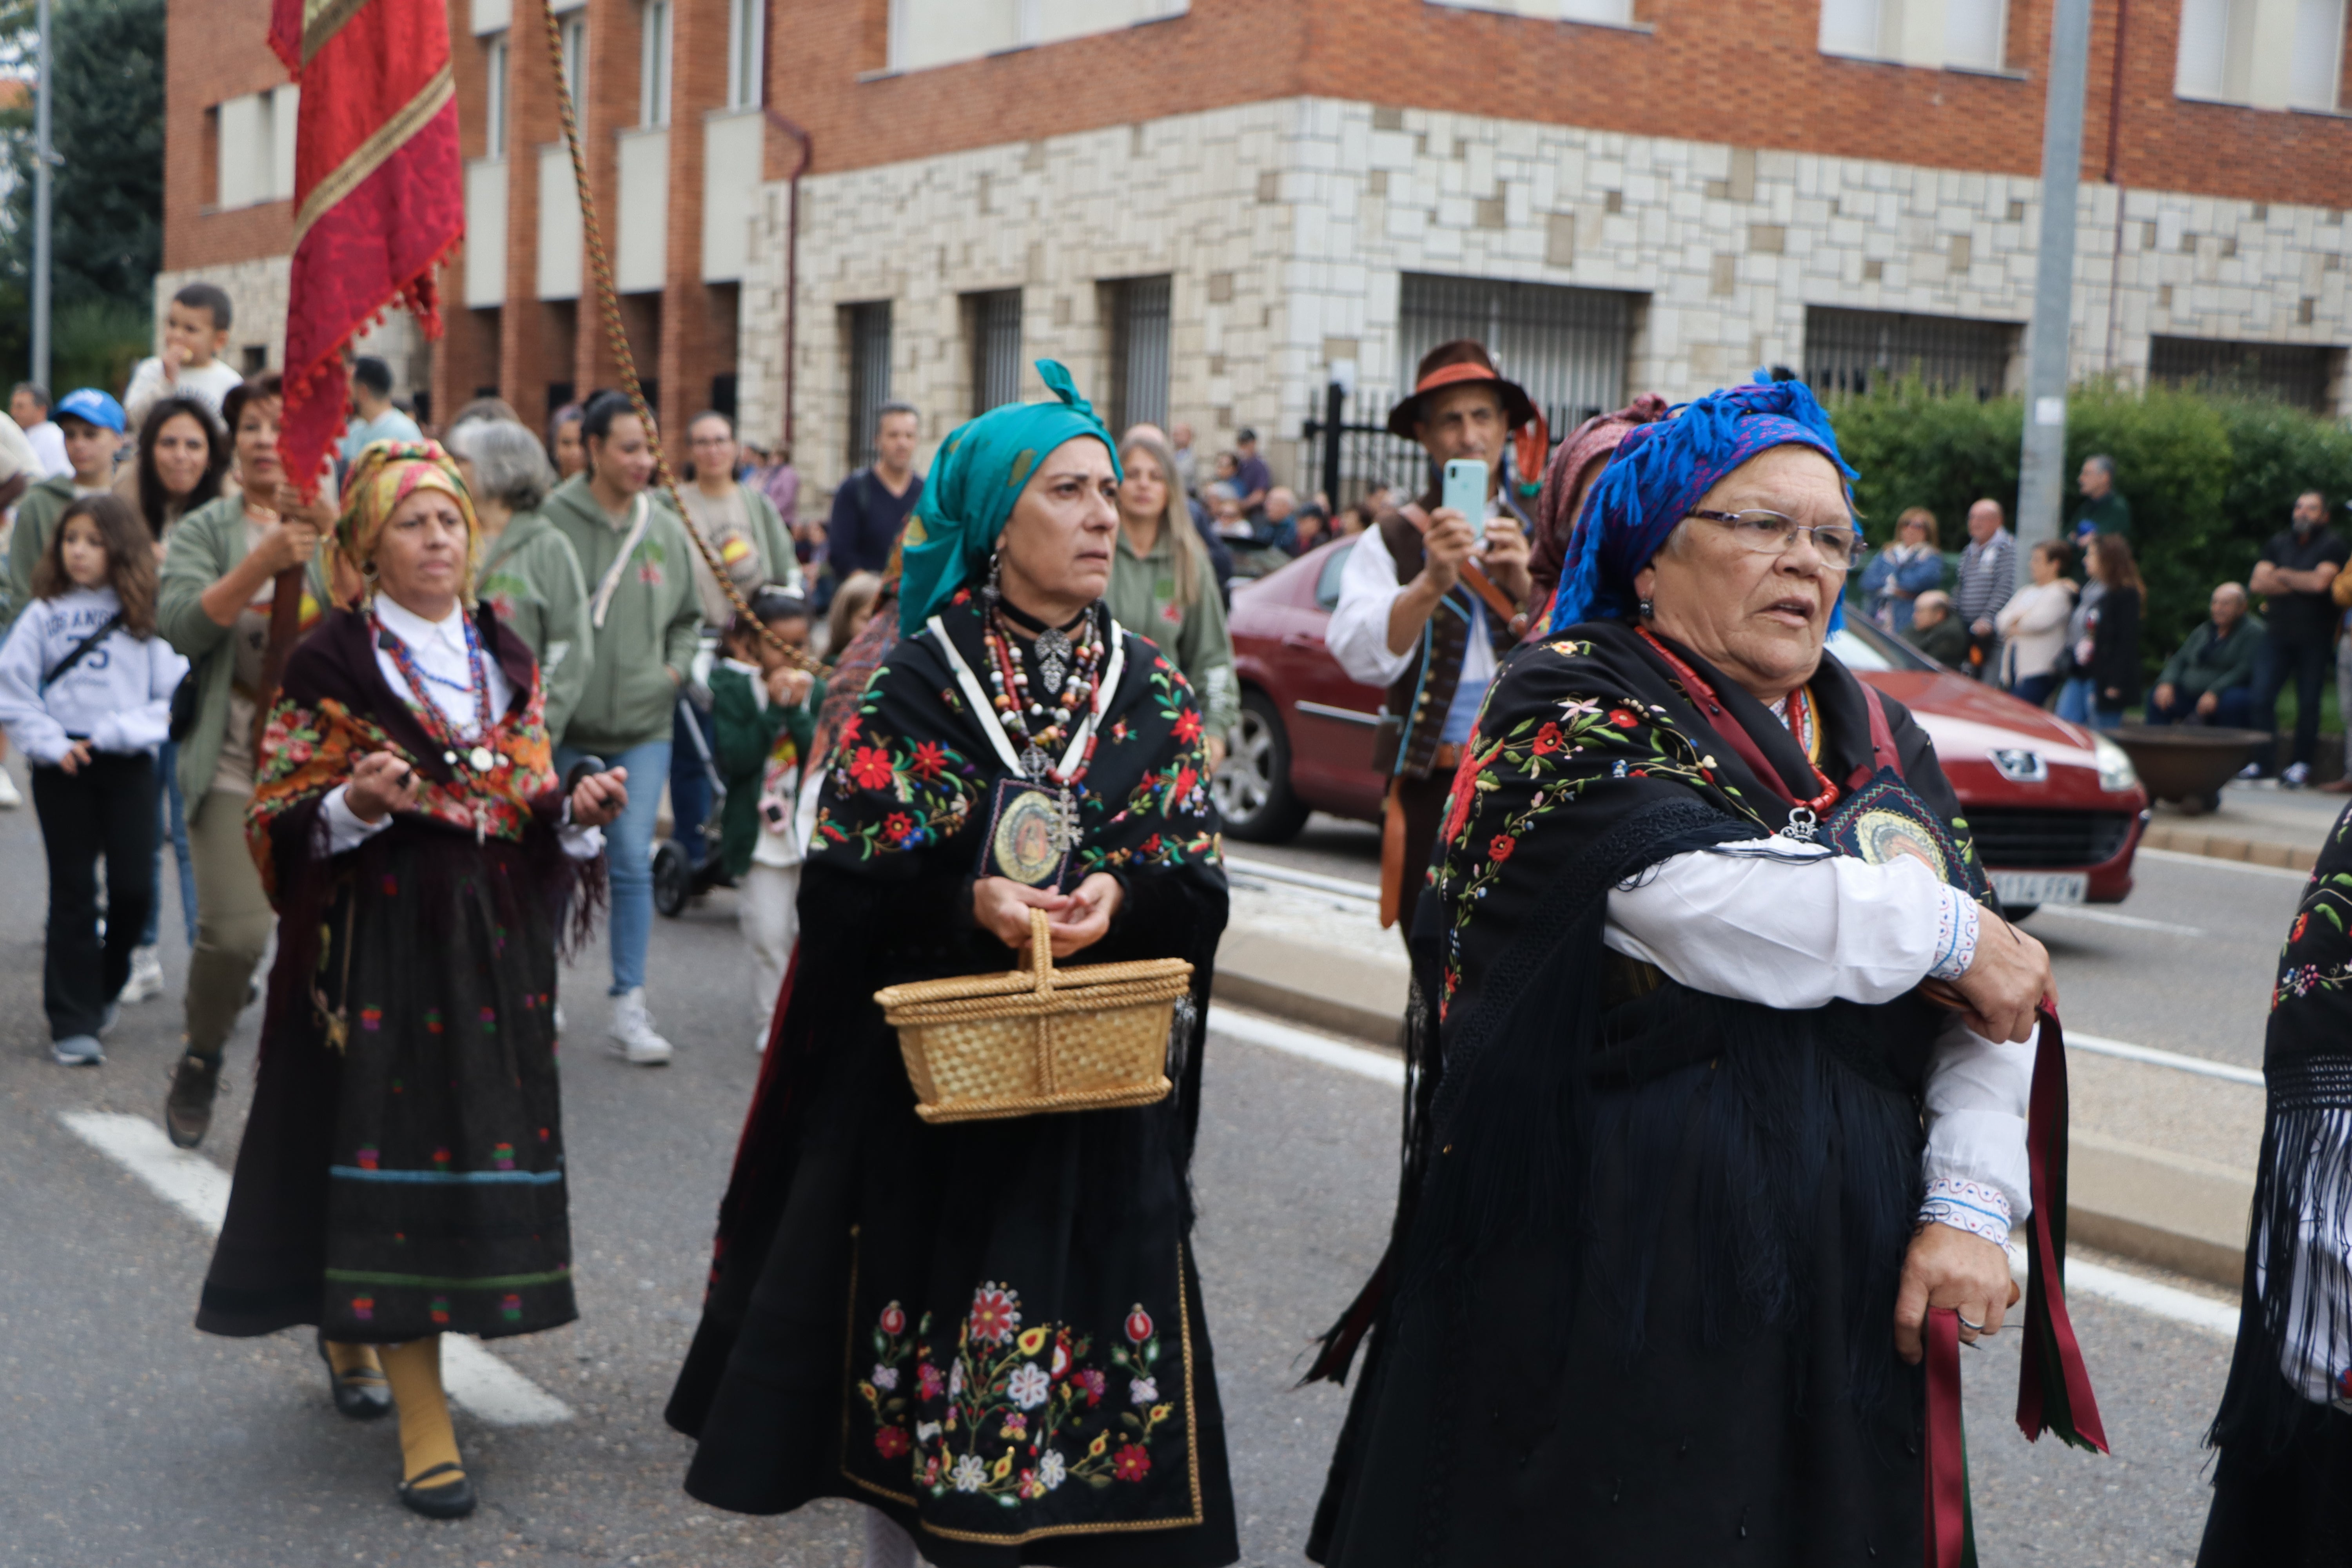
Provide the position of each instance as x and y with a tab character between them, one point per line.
2056	809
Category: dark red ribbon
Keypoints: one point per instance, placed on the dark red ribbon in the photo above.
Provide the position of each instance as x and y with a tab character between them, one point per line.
1947	1467
2050	1334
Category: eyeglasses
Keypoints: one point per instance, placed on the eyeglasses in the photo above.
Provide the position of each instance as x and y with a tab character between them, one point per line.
1772	534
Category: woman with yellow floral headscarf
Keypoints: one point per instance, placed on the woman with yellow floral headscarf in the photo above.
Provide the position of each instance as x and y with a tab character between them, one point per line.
402	1173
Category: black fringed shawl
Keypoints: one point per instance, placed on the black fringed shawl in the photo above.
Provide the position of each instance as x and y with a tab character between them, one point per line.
2294	1336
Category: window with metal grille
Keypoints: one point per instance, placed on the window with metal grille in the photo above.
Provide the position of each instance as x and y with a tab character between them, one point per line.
1137	314
867	330
1854	351
2296	374
1566	346
992	326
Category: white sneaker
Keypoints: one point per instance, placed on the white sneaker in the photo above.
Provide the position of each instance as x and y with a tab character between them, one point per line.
10	797
2297	774
146	982
633	1031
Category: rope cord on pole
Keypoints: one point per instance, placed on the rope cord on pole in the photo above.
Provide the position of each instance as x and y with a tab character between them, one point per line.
609	304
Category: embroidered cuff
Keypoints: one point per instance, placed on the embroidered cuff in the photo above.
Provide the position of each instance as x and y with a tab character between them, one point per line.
1967	1206
1955	936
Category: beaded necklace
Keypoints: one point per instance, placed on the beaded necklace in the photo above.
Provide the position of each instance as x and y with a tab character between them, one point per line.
1806	814
1069	671
480	759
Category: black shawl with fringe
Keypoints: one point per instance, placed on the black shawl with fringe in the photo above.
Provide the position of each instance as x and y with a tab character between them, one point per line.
1638	1303
2283	1491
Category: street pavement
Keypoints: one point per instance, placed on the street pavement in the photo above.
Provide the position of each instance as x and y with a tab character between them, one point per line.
138	1441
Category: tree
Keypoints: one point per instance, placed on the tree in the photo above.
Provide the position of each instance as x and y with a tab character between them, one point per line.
107	234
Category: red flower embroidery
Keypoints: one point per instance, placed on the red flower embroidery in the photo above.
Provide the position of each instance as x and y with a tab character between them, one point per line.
1549	740
1131	1463
1500	849
1188	726
1138	1325
894	1318
996	1314
1622	719
849	729
2300	923
870	767
891	1442
930	761
933	1382
1091	1379
896	827
1185	779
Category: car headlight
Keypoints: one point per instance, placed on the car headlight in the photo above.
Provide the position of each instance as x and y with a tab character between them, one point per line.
2116	769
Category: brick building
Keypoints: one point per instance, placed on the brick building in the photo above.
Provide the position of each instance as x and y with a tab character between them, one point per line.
1212	209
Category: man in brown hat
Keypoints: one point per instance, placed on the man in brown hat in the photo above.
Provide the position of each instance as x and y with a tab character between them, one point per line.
1426	606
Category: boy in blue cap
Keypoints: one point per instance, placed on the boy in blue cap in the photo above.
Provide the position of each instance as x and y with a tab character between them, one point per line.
93	424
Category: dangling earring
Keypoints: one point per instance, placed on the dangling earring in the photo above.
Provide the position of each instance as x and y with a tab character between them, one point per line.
993	589
1644	610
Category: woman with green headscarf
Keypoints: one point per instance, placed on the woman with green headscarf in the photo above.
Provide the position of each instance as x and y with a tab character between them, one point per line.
1028	1376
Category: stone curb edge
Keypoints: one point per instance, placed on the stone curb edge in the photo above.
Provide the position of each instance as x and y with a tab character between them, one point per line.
2226	847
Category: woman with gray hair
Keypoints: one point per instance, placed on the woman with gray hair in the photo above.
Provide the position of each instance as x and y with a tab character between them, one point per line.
529	574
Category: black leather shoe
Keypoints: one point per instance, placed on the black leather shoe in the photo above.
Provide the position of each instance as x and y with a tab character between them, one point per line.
449	1500
188	1104
362	1395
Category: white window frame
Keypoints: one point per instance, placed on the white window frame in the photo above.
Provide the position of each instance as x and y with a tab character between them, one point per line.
1591	13
575	60
2261	54
1915	33
747	53
654	71
495	69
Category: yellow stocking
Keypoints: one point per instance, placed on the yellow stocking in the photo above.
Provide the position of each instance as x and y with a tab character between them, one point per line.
354	1364
426	1438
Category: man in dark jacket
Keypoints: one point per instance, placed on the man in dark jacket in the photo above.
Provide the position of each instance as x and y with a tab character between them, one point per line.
2296	570
870	508
1936	631
2211	681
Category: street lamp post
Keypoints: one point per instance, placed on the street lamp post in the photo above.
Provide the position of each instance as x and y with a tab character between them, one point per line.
41	158
2041	471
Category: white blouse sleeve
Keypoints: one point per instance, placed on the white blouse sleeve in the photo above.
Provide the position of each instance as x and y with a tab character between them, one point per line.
344	828
1357	632
1793	926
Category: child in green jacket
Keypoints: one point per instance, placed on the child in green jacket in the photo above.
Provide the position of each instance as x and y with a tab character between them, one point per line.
764	713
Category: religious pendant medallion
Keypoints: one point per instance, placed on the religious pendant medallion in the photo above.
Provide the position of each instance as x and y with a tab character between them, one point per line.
1029	839
1053	658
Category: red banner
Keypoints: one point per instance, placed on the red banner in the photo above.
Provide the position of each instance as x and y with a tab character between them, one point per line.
379	193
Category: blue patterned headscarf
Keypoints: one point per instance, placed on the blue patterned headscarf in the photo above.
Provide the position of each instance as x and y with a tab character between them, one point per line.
1659	473
968	496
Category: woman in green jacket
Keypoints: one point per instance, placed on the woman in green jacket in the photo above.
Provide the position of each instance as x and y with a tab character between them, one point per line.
1163	588
529	571
220	567
644	626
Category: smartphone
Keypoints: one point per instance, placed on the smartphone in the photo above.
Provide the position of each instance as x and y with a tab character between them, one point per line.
1465	493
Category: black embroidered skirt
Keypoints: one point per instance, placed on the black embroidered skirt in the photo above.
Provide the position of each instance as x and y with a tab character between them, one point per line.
408	1180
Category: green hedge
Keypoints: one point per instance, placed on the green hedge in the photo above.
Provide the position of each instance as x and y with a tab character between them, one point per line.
2209	477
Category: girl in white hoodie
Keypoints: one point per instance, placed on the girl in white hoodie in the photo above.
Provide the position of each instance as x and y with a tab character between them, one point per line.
86	694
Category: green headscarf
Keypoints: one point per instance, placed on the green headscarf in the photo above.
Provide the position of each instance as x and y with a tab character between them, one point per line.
973	482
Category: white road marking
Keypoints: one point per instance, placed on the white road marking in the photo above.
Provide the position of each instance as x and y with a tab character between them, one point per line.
2109	918
1268	871
1380	1065
2149	1296
2182	858
199	1189
2203	1066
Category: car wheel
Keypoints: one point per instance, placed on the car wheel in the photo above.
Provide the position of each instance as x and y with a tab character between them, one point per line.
1253	788
672	878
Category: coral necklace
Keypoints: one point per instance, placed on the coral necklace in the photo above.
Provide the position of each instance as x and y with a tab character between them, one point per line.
1070	672
1804	815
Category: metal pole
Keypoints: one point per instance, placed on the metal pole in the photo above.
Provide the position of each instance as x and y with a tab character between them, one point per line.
42	156
1334	410
2042	478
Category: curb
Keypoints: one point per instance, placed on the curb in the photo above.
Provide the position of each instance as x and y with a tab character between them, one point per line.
2170	1211
2225	847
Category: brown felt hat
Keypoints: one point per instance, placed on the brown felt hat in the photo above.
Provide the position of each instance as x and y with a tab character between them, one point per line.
1460	362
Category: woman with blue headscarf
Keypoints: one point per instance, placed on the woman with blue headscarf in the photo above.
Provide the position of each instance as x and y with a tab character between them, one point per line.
1721	1063
1027	1376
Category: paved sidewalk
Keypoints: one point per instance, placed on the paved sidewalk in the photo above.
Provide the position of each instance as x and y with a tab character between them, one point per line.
2258	821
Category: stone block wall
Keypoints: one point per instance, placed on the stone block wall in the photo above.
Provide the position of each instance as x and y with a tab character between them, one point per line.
1286	225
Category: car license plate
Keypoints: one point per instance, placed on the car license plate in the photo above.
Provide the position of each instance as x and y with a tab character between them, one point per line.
2018	889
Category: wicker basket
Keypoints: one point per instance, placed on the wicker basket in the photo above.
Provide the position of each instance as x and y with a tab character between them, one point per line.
1039	1039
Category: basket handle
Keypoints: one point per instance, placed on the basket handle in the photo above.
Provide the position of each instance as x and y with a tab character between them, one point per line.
1041	950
